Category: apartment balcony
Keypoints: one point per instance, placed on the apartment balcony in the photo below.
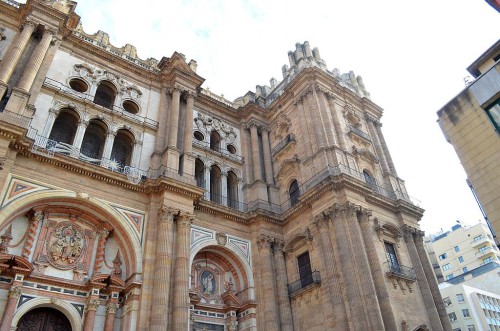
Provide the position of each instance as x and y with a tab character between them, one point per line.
304	284
483	240
490	250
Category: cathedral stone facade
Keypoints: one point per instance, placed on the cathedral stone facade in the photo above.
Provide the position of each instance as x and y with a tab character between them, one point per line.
134	199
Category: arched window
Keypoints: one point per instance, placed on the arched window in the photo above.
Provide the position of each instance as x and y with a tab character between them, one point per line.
215	184
294	193
370	181
123	146
94	139
105	94
199	173
232	190
214	141
64	128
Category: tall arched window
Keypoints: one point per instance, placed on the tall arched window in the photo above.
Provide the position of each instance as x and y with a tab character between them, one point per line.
199	173
123	146
94	139
232	190
294	193
215	184
369	179
64	127
105	94
214	141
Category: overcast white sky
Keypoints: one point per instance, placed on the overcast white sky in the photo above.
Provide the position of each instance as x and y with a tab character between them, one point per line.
412	57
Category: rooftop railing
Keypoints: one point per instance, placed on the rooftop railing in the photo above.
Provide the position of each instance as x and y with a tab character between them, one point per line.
12	3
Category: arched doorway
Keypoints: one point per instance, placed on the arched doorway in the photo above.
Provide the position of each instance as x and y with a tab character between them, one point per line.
44	319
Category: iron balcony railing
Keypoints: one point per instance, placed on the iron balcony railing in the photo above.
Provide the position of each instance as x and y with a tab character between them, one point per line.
218	151
56	85
359	132
400	271
305	282
12	3
288	139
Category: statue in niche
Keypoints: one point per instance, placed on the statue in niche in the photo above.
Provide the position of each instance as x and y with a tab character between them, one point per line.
65	245
207	283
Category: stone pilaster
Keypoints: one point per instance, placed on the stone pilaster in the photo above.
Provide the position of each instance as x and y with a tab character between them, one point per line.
108	145
80	132
334	307
188	125
431	279
336	121
163	269
268	283
99	259
268	166
367	230
174	118
286	321
34	217
35	61
304	127
15	51
161	138
425	290
392	168
181	273
376	143
246	154
136	154
257	173
342	215
10	307
90	309
326	123
315	115
50	122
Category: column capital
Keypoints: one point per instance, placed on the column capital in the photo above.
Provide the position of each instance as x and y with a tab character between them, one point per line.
264	242
29	23
167	214
111	308
111	133
188	94
35	215
408	233
279	245
185	219
15	292
104	233
92	304
54	111
321	220
364	214
175	89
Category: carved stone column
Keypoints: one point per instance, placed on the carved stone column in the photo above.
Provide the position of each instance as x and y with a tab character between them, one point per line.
90	309
336	121
35	61
270	306
334	306
174	118
80	132
342	215
433	286
99	259
10	307
314	113
425	290
304	128
34	217
224	193
181	273
162	269
286	321
376	143
246	154
136	154
161	137
326	123
207	182
108	145
50	122
257	173
387	154
15	51
268	166
377	273
188	125
109	323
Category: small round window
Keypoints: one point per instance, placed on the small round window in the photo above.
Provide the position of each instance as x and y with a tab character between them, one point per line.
198	136
79	85
130	107
231	149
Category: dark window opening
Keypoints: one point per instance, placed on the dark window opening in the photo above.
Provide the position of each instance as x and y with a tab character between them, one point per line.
231	149
64	127
198	136
232	189
199	173
130	107
294	193
305	270
94	139
392	257
215	184
105	95
214	141
123	147
79	85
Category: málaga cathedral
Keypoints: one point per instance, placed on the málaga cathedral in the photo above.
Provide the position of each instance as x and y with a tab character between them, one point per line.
132	198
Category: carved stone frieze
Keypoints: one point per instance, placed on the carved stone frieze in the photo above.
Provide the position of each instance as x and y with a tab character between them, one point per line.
208	123
66	245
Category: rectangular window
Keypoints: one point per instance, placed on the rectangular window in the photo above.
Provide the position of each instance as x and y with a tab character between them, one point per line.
457	249
487	260
447	301
493	113
457	329
450	276
392	258
461	259
464	270
442	256
483	248
305	271
477	238
452	317
446	267
465	312
460	297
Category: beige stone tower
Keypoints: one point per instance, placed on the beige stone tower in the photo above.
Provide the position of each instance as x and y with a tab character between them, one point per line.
133	199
